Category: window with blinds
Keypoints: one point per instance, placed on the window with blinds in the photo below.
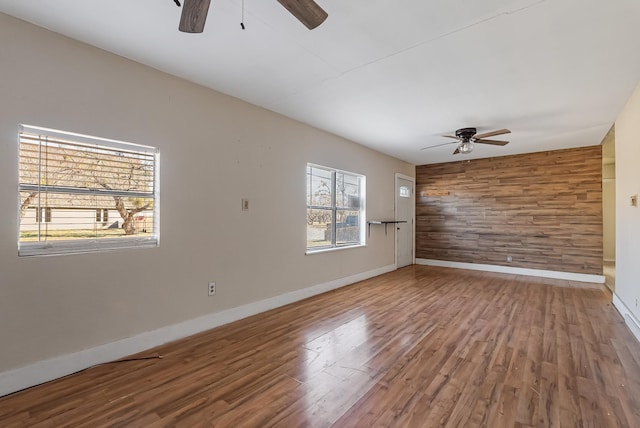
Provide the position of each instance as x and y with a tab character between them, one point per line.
79	193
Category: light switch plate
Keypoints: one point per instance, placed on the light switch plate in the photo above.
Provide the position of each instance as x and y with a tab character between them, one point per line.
245	205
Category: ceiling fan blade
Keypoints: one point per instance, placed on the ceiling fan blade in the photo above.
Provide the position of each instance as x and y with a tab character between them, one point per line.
491	134
438	145
456	151
451	136
493	142
306	11
194	15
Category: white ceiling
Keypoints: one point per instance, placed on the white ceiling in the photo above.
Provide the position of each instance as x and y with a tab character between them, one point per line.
394	75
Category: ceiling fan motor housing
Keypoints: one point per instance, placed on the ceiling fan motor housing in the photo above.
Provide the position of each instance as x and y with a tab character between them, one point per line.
465	134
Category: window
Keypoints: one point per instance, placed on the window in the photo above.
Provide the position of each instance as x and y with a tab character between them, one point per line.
335	208
102	215
81	179
43	214
405	192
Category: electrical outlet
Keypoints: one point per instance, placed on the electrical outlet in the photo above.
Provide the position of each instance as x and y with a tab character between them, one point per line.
509	259
212	288
636	303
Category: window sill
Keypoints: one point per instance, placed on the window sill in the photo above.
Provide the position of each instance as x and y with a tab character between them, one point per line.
328	250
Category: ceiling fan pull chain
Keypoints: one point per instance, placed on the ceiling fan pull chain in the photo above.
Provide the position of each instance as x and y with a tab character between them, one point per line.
242	17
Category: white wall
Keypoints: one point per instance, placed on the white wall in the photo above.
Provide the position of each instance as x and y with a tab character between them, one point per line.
215	150
627	291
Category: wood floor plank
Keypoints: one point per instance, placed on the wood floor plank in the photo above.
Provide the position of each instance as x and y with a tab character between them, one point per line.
549	402
529	398
421	346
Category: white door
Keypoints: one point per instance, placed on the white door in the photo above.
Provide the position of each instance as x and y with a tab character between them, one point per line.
404	213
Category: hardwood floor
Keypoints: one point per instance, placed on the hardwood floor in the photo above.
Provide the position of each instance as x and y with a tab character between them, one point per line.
419	347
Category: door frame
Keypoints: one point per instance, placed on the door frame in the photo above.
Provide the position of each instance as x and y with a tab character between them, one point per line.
413	215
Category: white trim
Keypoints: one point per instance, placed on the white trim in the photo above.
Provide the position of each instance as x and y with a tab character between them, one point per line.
329	249
413	215
53	368
630	320
581	277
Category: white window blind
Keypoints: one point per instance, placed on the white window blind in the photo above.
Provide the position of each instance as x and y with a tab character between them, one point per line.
80	193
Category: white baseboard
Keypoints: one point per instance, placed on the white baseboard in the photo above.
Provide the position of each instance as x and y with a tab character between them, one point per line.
53	368
581	277
629	319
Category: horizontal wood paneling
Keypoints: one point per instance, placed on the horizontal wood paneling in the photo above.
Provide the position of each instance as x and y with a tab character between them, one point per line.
542	209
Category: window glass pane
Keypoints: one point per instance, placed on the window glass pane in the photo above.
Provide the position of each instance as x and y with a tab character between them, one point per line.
319	229
404	192
347	190
318	187
347	227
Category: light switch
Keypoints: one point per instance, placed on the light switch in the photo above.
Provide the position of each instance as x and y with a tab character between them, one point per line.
634	200
245	205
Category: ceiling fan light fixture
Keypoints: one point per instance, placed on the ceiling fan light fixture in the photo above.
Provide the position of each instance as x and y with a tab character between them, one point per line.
466	139
466	147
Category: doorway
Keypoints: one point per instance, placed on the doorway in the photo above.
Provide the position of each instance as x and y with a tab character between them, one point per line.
609	209
404	209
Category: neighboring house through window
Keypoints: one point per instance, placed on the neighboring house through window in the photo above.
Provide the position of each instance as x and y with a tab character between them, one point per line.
335	208
104	193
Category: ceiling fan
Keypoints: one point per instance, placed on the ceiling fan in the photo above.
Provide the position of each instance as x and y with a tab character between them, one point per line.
194	13
467	138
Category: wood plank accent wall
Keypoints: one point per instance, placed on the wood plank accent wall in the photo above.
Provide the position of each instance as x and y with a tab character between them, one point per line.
542	209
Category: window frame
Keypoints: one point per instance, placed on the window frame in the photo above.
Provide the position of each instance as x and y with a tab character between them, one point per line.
334	208
88	245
